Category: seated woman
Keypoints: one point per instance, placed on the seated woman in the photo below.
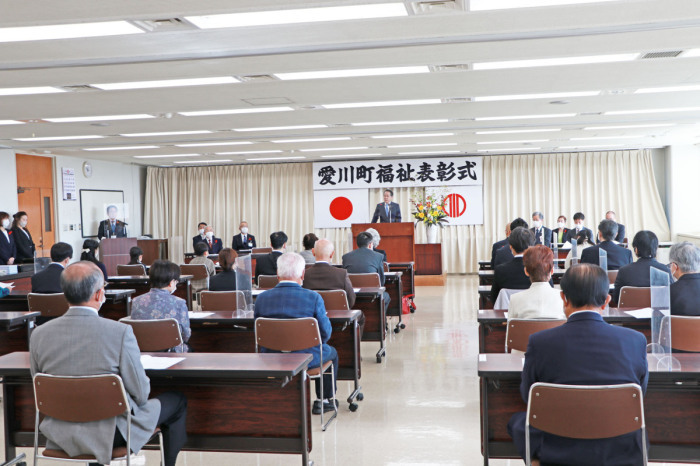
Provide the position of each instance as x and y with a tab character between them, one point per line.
90	254
226	279
202	251
136	255
159	303
540	301
308	242
583	241
645	245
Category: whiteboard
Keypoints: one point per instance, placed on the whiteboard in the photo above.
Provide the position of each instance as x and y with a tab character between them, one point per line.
93	209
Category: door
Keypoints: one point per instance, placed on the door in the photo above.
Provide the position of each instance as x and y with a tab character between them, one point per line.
35	196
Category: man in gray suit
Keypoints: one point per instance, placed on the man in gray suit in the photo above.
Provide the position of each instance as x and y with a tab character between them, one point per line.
82	343
365	260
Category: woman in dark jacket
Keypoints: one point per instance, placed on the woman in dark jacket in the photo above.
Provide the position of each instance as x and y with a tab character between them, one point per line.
23	239
89	248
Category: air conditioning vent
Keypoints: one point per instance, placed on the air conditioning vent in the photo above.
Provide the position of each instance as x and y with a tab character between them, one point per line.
263	101
256	78
667	54
436	6
169	24
448	68
456	100
80	88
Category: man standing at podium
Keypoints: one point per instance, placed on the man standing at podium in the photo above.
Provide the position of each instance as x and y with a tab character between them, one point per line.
387	211
111	228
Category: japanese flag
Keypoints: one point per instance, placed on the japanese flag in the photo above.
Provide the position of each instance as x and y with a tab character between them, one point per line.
340	208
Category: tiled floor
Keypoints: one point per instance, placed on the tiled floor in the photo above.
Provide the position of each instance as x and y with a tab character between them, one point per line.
421	405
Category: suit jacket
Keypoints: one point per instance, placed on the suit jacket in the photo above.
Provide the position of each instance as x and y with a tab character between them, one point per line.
382	252
572	234
364	260
620	233
216	245
380	213
267	265
584	351
289	300
81	343
494	249
685	295
8	248
544	231
198	239
509	275
323	276
618	256
503	256
565	235
48	280
119	230
237	243
636	274
24	243
223	281
308	256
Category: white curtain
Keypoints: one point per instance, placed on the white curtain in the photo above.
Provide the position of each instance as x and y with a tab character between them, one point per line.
280	197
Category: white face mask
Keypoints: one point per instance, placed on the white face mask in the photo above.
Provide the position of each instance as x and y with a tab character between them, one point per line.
536	223
201	231
561	224
23	223
6	223
579	225
244	230
173	288
103	300
210	234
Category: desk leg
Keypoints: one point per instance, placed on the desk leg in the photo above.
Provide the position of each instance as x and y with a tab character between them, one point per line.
304	422
8	401
356	370
382	331
484	420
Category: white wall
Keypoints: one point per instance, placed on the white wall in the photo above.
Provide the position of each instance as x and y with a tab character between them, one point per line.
8	185
682	168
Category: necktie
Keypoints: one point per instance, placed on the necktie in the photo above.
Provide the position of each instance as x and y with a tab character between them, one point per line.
244	239
386	206
209	242
113	227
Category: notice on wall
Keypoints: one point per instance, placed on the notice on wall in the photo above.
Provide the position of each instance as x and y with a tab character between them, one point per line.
69	191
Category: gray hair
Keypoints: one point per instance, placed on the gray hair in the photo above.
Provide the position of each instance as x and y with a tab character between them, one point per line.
290	266
80	281
538	215
375	236
686	256
608	228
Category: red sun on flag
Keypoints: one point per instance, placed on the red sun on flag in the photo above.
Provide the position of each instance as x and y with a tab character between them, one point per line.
341	208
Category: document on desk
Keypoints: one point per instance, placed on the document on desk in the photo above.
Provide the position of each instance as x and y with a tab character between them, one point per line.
199	315
645	313
356	290
257	292
155	362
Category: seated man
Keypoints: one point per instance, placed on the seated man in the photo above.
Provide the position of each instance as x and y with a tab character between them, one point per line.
504	254
685	267
540	301
498	245
288	300
49	280
645	244
578	226
135	256
618	256
81	343
267	265
213	243
365	260
543	235
243	241
584	351
511	275
201	237
621	232
202	252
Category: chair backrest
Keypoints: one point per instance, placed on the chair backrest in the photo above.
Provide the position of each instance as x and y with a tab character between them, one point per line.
518	331
635	296
80	399
131	269
198	271
50	305
155	334
503	298
334	300
685	332
612	275
222	300
586	412
261	250
385	265
287	334
308	266
265	282
365	280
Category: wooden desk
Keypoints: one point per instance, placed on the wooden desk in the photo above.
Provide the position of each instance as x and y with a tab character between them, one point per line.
15	330
256	403
394	286
407	278
486	265
671	407
140	285
486	277
371	302
116	306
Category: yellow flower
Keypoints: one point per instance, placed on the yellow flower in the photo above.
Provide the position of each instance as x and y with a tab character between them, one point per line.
421	215
420	206
439	208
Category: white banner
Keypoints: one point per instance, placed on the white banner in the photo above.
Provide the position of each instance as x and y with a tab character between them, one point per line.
436	171
340	208
464	205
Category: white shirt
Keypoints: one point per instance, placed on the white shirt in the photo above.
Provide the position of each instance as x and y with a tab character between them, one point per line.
88	308
540	301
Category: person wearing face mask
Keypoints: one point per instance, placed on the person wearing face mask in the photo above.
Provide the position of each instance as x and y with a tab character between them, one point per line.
23	239
159	303
243	241
561	231
618	256
685	267
89	253
267	265
8	248
200	238
577	227
543	235
213	243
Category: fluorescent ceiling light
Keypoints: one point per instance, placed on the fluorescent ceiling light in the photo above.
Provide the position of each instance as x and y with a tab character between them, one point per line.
166	83
99	118
388	103
691	53
423	135
659	125
480	5
653	110
301	15
526	117
280	141
122	148
237	111
279	158
29	90
422	145
653	90
207	144
165	156
608	137
164	133
250	152
353	73
499	65
524	141
551	95
333	148
509	149
404	122
518	131
432	152
342	156
67	31
58	138
590	147
11	122
280	128
204	161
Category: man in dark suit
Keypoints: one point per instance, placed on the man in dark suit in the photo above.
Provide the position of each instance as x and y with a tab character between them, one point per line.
645	244
504	254
323	276
111	228
578	226
561	231
618	256
498	245
543	235
243	240
584	351
365	260
267	265
214	244
511	275
610	215
201	237
387	211
685	266
49	280
288	300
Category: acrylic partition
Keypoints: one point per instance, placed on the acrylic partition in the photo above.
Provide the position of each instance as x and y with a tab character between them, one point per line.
244	280
660	346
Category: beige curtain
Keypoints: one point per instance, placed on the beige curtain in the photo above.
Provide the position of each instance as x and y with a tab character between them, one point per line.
280	197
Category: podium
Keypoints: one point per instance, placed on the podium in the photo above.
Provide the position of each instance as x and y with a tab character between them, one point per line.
115	251
397	239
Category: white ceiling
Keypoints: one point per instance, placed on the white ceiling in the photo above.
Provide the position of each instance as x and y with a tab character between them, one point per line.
444	33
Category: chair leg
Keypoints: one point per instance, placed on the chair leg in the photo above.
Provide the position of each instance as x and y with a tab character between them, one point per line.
162	449
335	407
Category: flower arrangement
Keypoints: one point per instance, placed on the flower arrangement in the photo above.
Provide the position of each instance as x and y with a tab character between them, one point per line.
429	210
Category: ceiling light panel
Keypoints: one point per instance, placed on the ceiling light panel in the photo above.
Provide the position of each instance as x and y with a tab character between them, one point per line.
481	5
251	152
391	103
422	145
511	149
237	111
58	138
333	149
296	157
659	125
653	110
283	141
444	152
691	53
342	156
526	117
353	73
208	144
165	156
166	83
596	146
99	118
413	135
121	148
519	131
634	136
551	95
203	161
523	141
653	90
164	133
11	122
67	31
401	122
29	90
499	65
280	128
